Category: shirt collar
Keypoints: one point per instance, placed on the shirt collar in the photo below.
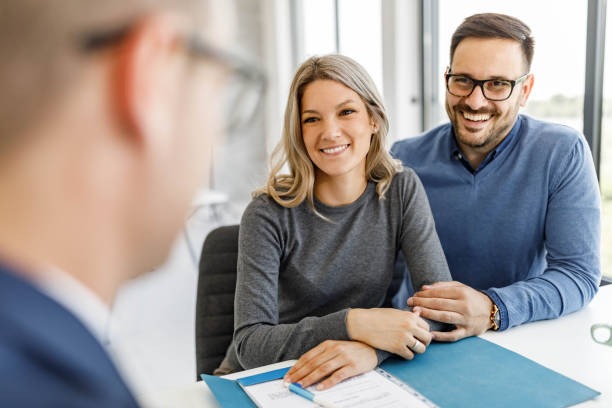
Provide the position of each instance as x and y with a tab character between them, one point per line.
456	153
79	300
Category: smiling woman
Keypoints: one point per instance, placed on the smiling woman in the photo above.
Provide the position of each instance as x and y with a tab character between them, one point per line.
342	72
318	245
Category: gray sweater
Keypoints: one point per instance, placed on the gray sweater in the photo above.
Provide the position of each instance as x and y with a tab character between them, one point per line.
298	274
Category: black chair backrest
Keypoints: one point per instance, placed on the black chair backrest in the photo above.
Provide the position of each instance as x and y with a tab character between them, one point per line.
214	315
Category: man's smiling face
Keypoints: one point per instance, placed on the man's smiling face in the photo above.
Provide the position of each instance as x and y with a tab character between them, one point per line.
480	124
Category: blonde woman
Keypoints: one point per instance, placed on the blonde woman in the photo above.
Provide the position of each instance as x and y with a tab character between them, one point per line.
318	245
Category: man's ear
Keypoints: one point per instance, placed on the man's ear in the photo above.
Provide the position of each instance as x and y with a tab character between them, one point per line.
145	73
526	88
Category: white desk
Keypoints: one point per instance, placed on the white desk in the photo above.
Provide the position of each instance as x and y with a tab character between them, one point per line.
563	345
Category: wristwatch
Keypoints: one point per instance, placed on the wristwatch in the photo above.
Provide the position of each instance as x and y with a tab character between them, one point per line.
494	317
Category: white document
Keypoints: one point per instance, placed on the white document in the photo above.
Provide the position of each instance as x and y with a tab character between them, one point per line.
374	389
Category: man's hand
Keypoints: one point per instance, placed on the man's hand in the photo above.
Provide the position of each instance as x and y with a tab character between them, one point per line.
332	361
388	329
455	303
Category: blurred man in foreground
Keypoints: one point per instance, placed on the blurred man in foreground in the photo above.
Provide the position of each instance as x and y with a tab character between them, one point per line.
106	120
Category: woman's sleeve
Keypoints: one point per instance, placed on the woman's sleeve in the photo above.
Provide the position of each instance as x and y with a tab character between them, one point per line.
258	336
419	239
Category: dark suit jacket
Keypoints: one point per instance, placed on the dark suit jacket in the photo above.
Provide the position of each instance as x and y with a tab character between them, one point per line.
48	358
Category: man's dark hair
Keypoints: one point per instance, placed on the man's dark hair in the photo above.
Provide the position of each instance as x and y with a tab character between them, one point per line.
493	25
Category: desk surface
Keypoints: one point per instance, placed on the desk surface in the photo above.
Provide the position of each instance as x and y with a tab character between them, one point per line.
563	345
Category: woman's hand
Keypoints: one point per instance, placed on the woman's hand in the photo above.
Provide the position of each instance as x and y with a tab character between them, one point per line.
332	361
393	330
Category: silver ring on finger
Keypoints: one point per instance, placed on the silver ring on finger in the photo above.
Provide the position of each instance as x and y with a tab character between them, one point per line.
417	347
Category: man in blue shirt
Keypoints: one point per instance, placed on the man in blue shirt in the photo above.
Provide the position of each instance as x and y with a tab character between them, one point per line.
515	200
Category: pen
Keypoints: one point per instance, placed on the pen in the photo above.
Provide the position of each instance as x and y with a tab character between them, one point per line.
302	392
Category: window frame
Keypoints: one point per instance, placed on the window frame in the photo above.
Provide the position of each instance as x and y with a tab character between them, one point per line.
593	83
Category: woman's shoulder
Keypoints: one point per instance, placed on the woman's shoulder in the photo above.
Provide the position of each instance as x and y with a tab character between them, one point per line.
262	202
262	205
406	173
404	179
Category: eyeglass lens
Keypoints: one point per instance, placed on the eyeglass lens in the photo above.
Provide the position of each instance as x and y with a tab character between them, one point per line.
246	85
242	101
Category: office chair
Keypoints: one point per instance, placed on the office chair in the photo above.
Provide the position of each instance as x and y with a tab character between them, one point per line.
214	317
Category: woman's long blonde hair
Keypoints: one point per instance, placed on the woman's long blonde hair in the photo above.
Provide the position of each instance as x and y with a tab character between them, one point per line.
290	190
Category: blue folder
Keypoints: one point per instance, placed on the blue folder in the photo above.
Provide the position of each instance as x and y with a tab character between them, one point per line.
474	372
471	373
230	393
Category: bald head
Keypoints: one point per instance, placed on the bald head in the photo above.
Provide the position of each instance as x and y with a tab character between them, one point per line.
41	48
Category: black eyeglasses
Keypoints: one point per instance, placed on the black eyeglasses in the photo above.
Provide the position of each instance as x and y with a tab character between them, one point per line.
246	87
492	89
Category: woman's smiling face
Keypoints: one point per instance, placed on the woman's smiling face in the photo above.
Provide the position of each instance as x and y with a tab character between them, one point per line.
336	128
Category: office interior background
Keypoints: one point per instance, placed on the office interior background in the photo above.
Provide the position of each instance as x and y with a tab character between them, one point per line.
404	46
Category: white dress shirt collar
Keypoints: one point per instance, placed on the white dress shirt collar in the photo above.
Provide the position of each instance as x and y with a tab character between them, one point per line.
79	300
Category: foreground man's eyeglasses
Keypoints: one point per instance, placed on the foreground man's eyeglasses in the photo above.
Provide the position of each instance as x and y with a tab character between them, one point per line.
246	86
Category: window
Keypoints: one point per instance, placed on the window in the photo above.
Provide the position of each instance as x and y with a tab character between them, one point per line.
349	27
605	167
361	36
319	28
